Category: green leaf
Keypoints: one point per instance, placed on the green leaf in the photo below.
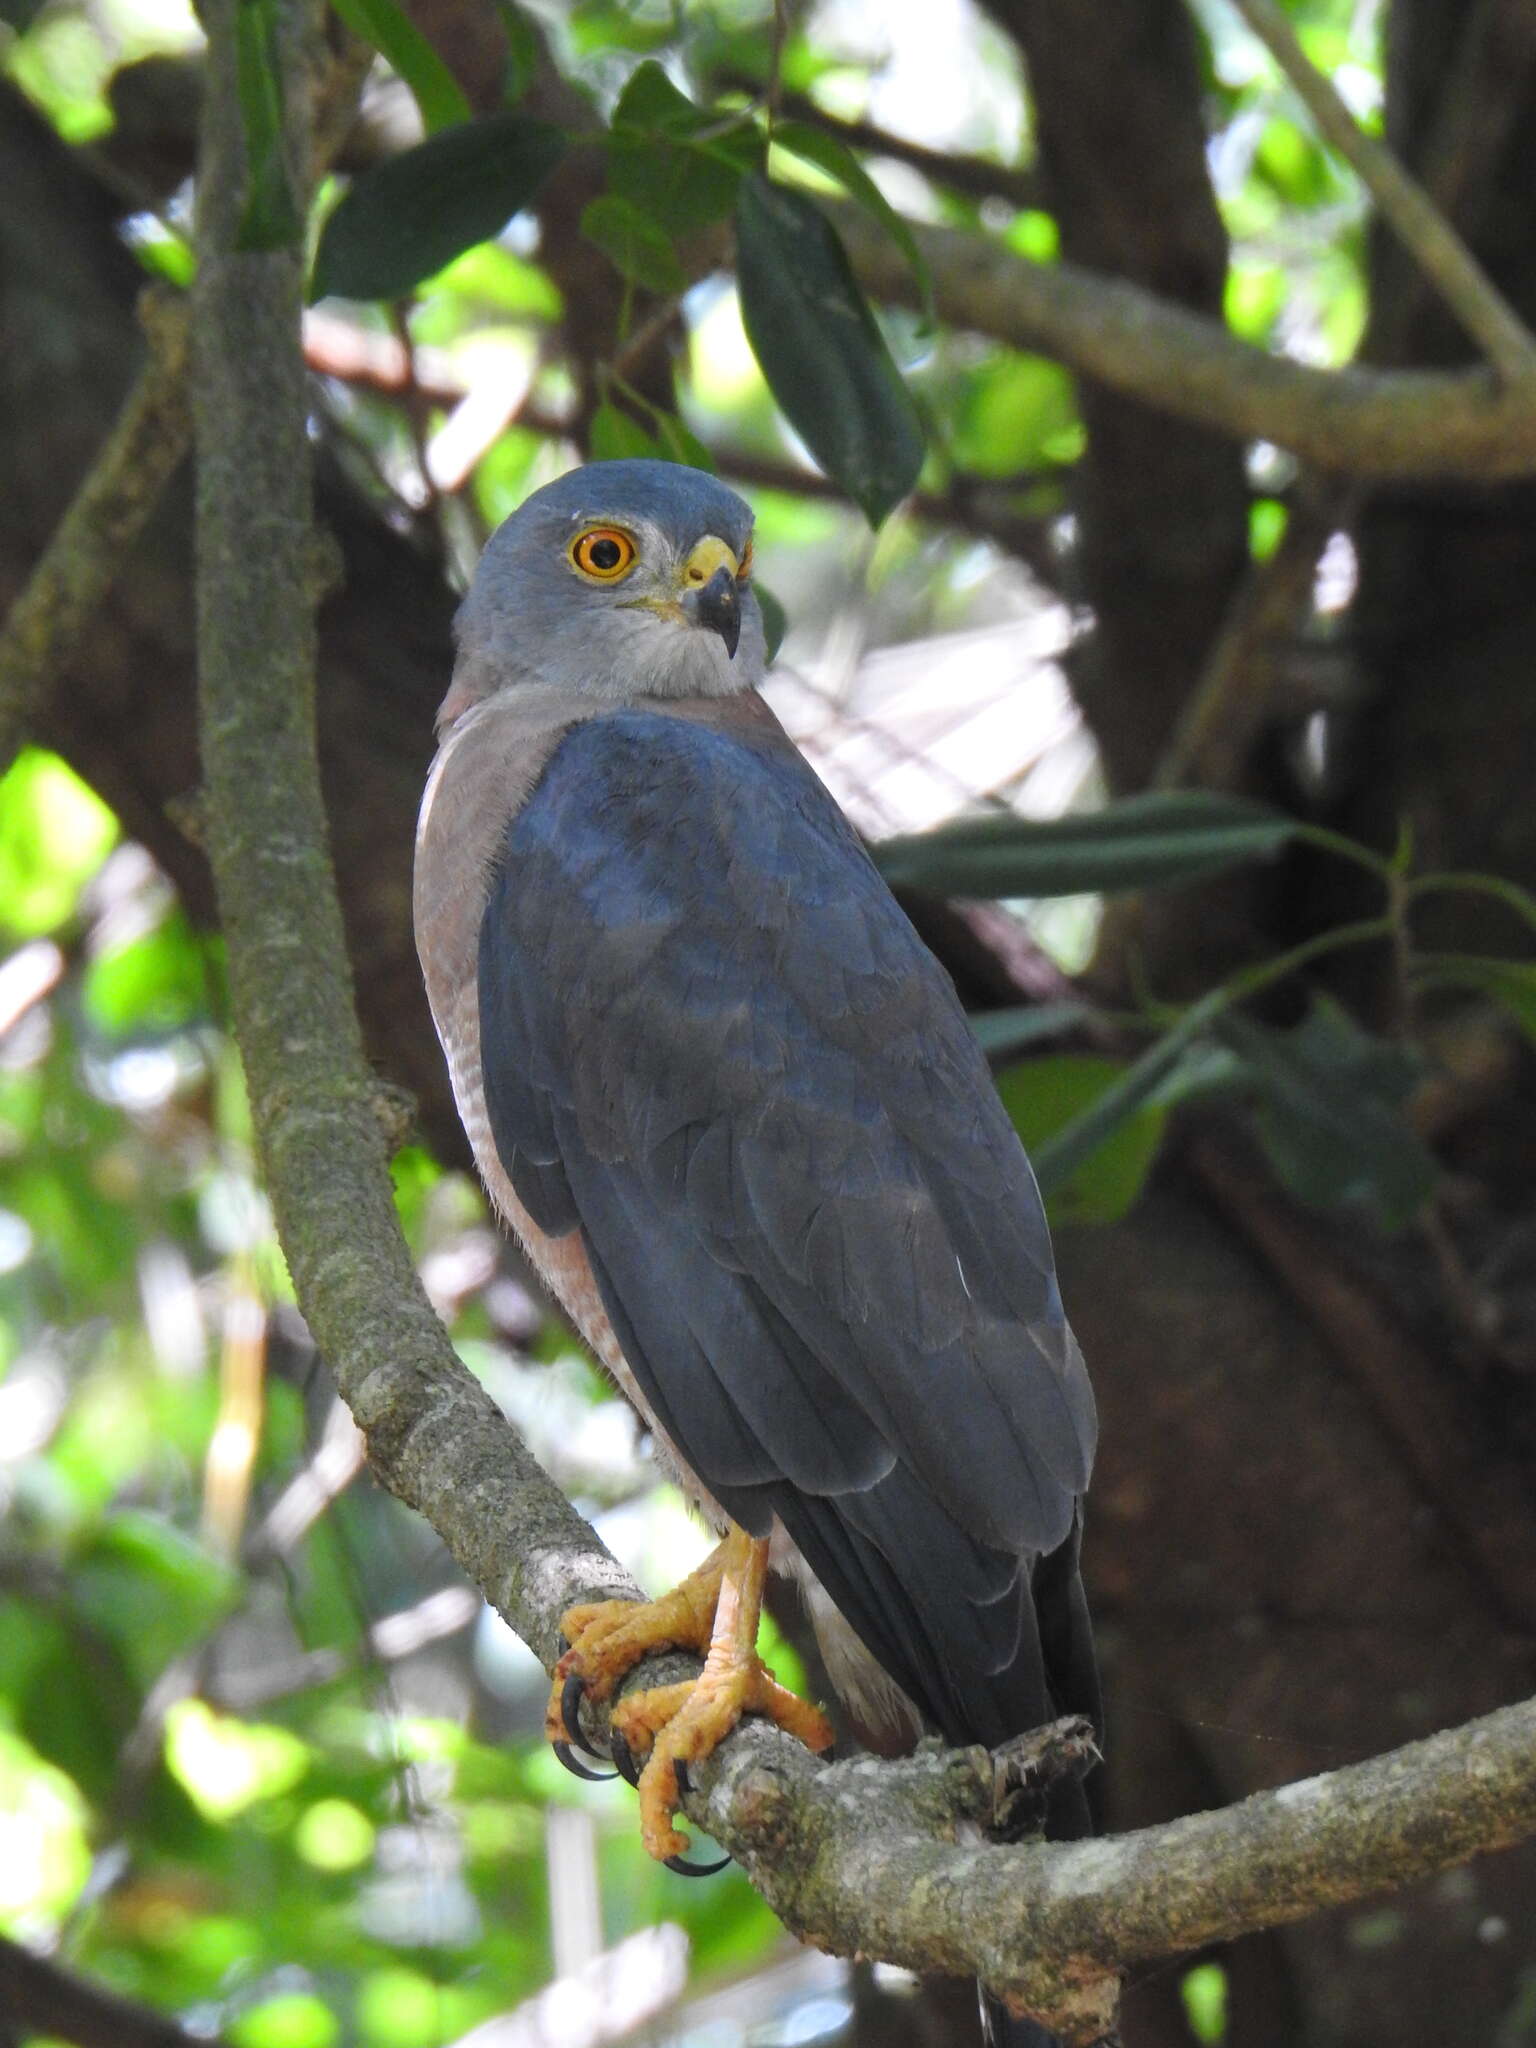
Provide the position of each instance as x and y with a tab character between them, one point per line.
1017	412
404	220
524	49
679	443
1330	1112
636	247
1045	1096
1003	1031
1142	842
1145	1080
775	623
614	436
825	360
270	217
158	982
833	156
401	43
1509	983
673	160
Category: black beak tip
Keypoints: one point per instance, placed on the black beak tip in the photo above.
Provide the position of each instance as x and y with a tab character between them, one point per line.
720	609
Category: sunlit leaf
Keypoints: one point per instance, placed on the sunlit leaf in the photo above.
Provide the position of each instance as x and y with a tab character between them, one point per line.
825	359
54	835
294	2019
405	219
227	1764
1141	842
157	982
396	37
1016	412
1204	1993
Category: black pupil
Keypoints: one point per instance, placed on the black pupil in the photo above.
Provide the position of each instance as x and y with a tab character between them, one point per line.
605	554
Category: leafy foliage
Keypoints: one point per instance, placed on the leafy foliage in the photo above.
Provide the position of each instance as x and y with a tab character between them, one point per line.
415	212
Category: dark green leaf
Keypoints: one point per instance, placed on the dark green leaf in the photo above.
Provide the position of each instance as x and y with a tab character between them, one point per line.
614	436
1045	1096
653	105
832	155
270	217
633	244
1330	1112
1063	1154
679	443
404	220
400	42
1002	1031
671	159
524	50
775	624
1142	842
825	360
1510	983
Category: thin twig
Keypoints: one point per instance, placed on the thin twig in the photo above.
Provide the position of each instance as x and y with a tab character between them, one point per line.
45	632
1419	224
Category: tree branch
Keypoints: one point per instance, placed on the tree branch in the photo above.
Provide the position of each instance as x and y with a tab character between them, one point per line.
859	1857
852	1857
434	1435
1419	224
45	630
1369	423
38	1997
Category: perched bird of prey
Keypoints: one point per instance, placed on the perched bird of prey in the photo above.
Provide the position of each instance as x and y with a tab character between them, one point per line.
729	1103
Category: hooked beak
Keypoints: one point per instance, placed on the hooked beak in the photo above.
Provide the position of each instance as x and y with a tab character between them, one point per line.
718	606
712	596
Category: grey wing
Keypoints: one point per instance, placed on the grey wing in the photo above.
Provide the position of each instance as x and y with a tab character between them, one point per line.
714	1045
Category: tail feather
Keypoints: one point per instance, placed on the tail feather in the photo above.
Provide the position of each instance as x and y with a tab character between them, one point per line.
1000	2028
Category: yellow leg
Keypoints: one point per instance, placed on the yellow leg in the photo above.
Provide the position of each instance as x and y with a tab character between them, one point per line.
682	1724
714	1611
609	1637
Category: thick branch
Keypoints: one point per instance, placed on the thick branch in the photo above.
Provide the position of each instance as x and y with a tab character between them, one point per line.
38	1997
852	1857
1356	421
1418	223
434	1436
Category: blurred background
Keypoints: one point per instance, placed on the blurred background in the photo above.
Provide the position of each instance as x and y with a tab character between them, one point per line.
266	1763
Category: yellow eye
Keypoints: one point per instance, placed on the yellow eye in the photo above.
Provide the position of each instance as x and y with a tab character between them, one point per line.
605	553
745	570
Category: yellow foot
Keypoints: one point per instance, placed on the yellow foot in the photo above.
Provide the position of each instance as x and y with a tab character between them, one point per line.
715	1609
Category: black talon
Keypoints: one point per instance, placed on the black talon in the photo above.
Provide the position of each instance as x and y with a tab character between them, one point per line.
686	1869
579	1770
570	1714
623	1758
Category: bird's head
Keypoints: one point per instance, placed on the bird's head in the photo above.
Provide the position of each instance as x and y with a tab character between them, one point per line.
622	580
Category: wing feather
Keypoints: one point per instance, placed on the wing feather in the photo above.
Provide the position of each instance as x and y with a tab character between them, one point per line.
712	1042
